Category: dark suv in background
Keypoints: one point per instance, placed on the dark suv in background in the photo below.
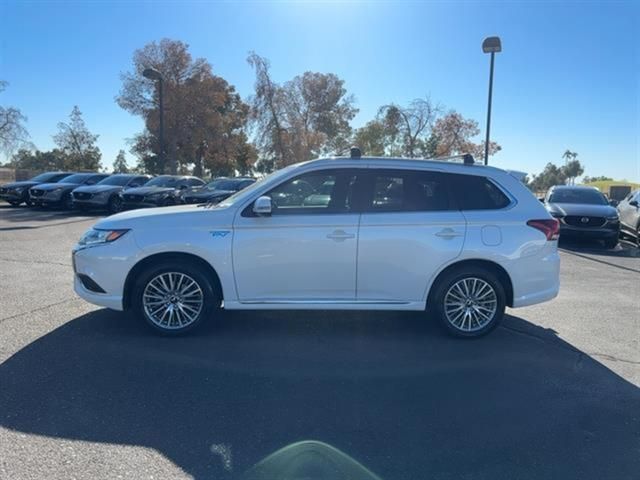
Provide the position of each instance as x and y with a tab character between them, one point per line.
59	193
217	190
18	192
159	192
104	195
583	212
629	211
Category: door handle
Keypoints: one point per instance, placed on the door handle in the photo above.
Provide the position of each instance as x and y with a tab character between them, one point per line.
448	233
340	235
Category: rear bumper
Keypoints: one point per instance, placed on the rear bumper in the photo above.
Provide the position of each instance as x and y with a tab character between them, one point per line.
536	279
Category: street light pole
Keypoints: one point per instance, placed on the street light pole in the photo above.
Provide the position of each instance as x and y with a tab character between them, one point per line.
490	45
153	74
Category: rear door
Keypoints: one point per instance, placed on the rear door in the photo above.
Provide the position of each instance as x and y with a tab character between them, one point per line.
409	229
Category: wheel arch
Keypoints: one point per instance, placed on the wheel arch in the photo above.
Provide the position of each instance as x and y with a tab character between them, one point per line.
164	257
494	267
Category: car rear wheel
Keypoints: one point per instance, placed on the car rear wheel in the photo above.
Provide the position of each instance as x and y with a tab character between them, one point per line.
174	298
115	204
469	302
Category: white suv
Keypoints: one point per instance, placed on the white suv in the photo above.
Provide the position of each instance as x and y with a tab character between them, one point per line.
461	240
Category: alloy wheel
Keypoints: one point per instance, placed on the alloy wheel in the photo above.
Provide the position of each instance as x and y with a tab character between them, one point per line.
172	300
470	304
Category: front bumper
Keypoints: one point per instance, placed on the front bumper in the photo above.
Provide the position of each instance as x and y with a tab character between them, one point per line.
609	231
12	196
92	203
133	205
108	266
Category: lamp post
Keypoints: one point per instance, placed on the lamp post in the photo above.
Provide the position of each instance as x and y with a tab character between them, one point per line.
153	74
490	45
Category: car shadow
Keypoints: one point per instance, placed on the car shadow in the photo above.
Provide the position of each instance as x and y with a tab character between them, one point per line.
36	217
387	388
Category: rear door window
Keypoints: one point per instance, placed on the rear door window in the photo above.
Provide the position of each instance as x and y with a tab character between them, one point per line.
473	192
407	191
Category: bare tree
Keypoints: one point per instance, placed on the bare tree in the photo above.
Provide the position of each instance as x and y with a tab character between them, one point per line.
13	134
409	127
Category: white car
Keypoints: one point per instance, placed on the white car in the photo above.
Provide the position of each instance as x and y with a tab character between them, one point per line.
459	239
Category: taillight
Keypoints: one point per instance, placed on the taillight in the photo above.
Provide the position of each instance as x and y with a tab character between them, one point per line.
550	227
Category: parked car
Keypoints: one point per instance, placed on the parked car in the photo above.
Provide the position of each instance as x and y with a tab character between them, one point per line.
463	241
18	192
583	212
160	191
105	193
217	190
48	194
629	212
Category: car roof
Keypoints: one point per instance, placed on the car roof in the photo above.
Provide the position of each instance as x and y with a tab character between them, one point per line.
573	187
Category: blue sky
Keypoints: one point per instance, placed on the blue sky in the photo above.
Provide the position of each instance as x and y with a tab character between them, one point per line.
568	76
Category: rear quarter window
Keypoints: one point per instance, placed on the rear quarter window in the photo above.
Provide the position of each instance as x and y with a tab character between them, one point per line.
477	193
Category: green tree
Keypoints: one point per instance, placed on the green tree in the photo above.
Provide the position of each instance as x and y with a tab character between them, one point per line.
38	161
601	178
551	175
573	169
77	143
120	163
372	138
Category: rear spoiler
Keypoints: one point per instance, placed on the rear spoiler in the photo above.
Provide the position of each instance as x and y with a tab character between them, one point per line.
520	176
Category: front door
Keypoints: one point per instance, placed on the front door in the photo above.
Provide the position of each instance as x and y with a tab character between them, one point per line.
305	251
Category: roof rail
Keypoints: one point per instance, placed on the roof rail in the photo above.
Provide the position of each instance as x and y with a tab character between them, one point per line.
465	158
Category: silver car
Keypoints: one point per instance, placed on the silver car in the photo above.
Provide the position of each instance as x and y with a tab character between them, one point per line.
104	195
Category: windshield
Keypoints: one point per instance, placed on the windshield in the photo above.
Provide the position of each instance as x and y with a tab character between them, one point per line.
48	177
163	181
78	177
585	196
116	180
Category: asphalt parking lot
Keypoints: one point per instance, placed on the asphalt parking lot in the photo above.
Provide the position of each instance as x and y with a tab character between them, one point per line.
89	393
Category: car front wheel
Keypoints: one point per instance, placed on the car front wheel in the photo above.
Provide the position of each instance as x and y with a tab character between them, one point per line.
174	298
469	302
115	204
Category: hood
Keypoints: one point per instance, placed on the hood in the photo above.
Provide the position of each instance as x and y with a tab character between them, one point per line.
98	188
148	190
25	183
164	217
55	186
582	209
210	193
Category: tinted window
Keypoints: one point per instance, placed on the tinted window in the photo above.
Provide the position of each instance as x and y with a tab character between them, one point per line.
315	192
78	178
408	191
95	179
138	181
194	182
117	180
49	177
163	181
477	193
578	195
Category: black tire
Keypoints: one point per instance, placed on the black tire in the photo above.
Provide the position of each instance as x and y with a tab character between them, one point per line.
168	202
14	203
437	301
115	204
26	199
611	243
210	298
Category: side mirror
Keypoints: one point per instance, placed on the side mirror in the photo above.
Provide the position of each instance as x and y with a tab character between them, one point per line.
613	203
634	203
262	206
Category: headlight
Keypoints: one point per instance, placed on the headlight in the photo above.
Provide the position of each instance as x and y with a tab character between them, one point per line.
612	218
94	237
18	189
